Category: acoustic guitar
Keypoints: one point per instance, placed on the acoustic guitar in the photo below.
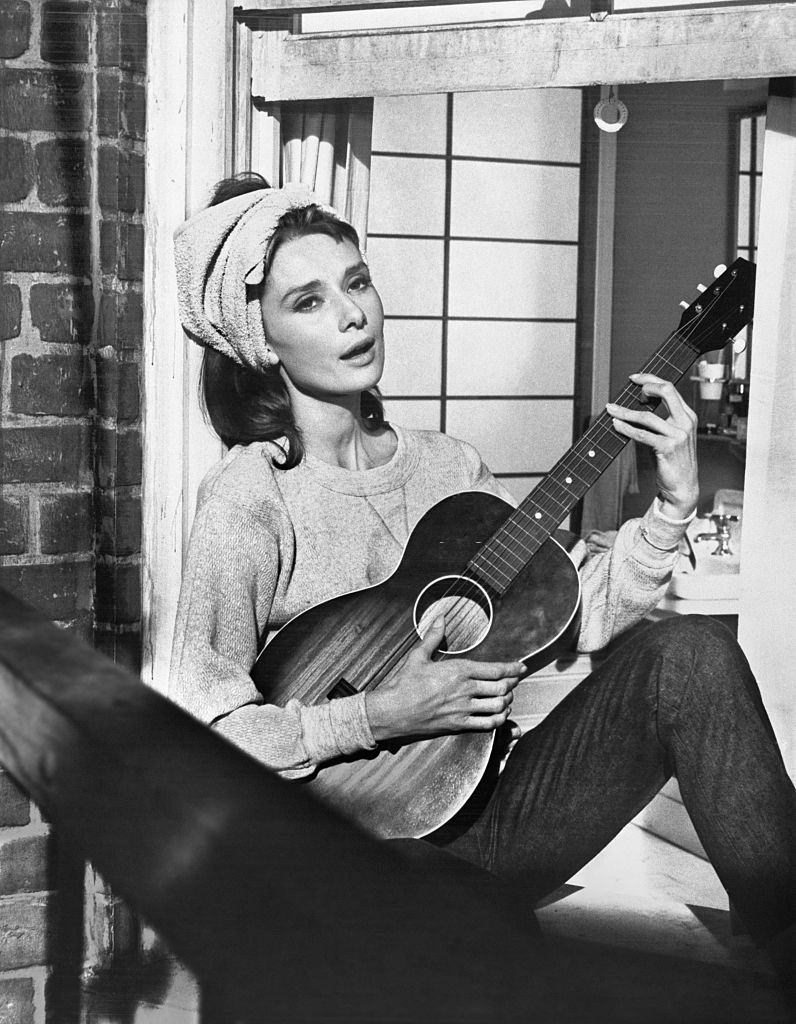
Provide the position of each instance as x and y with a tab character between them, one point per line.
507	588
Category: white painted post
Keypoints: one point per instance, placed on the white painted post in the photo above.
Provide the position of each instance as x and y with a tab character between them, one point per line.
188	90
767	620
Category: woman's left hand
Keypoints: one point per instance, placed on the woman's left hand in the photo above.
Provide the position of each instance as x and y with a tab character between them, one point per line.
673	440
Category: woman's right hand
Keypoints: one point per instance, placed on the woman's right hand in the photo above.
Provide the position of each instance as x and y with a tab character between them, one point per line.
428	697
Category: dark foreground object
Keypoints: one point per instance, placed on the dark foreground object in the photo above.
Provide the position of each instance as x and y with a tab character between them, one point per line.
284	911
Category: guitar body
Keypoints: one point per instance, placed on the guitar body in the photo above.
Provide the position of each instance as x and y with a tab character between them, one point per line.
356	641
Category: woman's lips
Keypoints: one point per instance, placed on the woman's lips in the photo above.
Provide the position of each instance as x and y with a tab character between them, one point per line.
362	349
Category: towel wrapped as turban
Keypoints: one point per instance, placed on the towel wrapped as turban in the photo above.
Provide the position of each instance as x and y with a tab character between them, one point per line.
219	253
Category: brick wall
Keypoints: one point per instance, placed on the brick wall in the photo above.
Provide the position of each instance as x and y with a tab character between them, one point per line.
72	188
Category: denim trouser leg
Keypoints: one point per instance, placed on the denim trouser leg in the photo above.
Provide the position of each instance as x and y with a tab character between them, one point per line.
677	698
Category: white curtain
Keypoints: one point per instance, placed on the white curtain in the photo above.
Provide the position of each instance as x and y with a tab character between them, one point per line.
326	146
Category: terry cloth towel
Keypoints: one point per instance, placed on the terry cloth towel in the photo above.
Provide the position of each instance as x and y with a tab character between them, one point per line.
219	253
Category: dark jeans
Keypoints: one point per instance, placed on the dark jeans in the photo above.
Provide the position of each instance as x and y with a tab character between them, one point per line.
677	698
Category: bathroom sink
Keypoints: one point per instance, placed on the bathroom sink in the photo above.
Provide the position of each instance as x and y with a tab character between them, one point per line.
708	576
717	581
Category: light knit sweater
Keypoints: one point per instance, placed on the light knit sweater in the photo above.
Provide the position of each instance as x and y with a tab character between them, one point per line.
267	544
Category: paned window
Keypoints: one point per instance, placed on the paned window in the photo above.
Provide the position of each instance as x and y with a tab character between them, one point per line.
473	234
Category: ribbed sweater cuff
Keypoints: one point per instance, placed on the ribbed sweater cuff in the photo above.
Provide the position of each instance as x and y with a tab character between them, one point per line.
661	531
336	727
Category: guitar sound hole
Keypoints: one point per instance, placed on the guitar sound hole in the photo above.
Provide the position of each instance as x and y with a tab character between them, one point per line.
466	608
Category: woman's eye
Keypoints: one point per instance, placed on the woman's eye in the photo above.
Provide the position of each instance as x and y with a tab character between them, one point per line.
307	303
360	283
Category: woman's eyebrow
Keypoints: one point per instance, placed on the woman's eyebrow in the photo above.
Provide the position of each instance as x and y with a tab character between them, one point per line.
310	285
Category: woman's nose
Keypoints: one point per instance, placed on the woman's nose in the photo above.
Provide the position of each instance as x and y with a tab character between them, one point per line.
351	314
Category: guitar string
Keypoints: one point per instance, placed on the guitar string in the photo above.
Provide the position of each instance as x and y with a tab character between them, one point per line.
677	340
680	345
549	508
550	511
466	607
600	432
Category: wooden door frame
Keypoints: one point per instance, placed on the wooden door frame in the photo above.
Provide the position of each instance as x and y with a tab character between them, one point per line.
193	139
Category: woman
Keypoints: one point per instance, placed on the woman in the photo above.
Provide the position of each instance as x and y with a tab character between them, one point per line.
317	497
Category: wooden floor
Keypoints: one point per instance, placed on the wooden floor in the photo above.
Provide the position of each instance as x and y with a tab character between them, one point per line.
652	918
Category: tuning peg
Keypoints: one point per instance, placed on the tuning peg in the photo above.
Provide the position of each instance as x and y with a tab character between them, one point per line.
700	288
719	270
684	304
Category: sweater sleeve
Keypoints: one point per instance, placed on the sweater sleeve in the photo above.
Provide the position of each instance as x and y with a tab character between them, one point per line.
622	585
228	587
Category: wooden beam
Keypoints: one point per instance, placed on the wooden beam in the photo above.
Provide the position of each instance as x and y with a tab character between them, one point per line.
163	357
188	100
768	559
249	879
742	42
258	8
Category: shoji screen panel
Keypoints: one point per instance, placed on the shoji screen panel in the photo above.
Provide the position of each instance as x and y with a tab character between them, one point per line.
473	241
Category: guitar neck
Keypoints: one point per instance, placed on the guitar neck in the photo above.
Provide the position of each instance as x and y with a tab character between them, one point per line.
531	524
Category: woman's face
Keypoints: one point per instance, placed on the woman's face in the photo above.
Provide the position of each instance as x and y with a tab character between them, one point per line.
323	317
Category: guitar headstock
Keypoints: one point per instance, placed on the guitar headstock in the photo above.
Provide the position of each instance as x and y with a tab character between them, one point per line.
723	309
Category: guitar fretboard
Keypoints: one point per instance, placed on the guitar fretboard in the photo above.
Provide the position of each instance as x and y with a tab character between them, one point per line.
510	549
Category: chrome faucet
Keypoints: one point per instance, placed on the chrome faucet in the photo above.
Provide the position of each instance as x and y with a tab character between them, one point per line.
722	535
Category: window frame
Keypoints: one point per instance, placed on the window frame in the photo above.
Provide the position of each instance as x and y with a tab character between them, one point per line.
199	49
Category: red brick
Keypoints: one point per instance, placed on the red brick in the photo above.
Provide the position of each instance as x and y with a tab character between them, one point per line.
118	593
64	32
16	1001
118	458
120	523
13	525
121	320
25	864
62	312
10	311
62	172
47	101
118	389
45	454
122	250
14	28
120	180
51	385
121	40
129	399
48	242
23	931
60	591
14	803
66	523
16	174
121	107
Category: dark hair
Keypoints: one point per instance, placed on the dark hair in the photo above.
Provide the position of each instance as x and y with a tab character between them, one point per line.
246	405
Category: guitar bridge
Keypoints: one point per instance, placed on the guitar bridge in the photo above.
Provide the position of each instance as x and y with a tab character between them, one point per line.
342	688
